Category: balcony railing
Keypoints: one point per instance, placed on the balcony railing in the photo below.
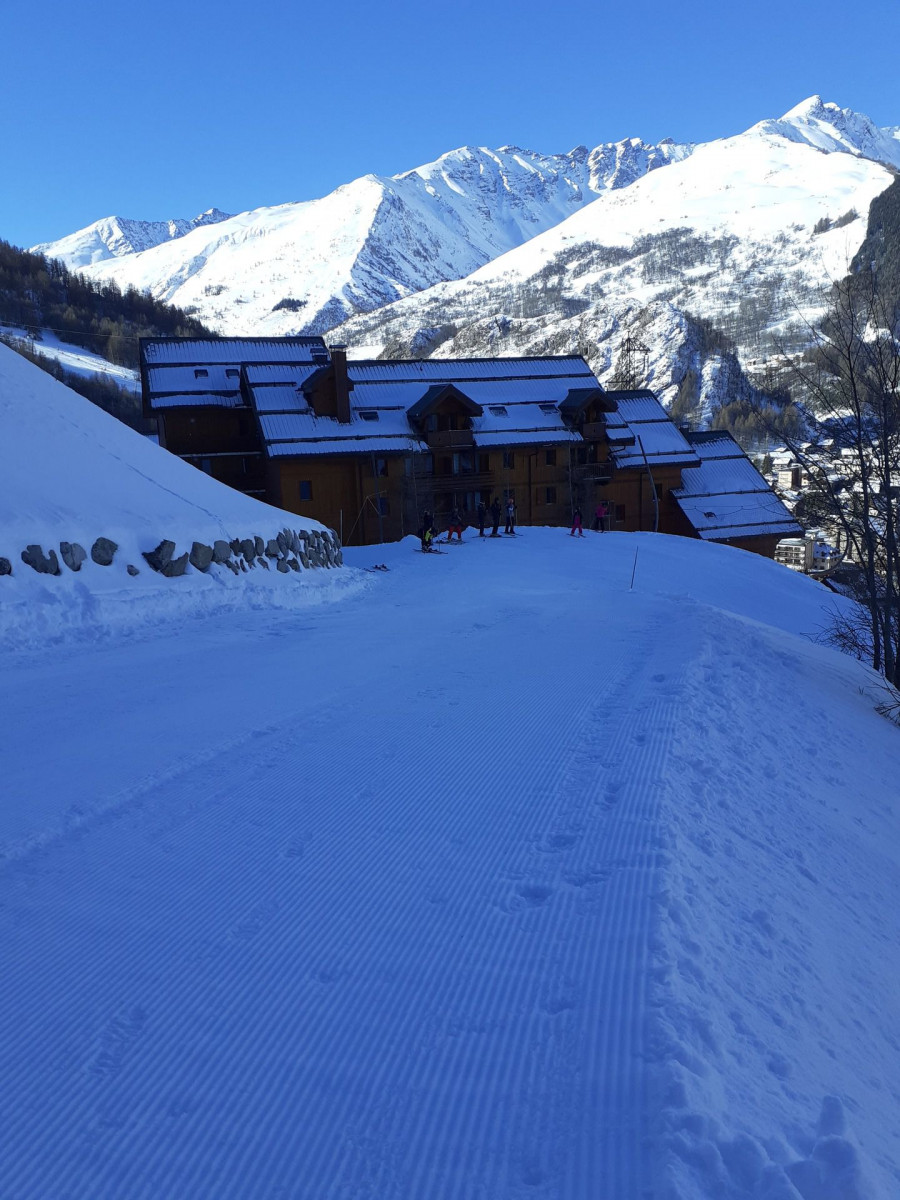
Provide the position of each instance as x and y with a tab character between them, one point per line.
465	481
451	439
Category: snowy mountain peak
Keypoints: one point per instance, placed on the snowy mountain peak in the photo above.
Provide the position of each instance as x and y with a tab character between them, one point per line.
826	126
812	106
116	237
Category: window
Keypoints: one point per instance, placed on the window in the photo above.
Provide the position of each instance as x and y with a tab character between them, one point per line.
550	458
548	408
306	489
206	465
368	414
620	513
232	373
201	373
550	497
384	506
509	460
462	463
484	463
381	467
497	410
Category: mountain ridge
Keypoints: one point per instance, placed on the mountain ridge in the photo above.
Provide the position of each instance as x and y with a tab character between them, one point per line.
510	251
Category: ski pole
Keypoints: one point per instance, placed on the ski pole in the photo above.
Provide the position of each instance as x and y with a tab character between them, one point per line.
633	569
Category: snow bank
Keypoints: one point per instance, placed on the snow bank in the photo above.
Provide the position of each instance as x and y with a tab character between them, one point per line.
72	473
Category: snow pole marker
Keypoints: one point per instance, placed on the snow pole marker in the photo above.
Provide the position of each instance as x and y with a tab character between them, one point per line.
633	568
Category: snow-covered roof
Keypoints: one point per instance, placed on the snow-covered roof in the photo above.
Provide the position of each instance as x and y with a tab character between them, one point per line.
516	437
640	420
445	370
191	372
352	444
159	351
519	397
726	497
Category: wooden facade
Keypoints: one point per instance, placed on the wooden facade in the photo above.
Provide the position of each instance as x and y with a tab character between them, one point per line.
367	447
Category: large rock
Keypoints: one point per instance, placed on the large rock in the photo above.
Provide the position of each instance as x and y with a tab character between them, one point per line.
201	556
248	549
236	545
293	564
132	569
103	551
221	551
160	558
260	546
263	562
272	550
283	567
176	566
44	564
282	543
305	560
73	555
5	566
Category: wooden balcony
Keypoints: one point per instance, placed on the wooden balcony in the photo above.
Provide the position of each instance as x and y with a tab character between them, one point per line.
470	481
593	430
451	439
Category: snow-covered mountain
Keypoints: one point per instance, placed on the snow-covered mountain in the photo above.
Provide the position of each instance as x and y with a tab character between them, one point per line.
510	251
747	232
307	266
114	237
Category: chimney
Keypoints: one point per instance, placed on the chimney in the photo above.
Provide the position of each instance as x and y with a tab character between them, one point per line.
341	383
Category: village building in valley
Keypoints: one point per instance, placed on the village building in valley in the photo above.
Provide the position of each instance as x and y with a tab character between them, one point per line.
366	446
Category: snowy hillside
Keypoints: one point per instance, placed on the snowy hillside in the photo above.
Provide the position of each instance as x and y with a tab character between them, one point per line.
72	474
499	879
748	231
306	266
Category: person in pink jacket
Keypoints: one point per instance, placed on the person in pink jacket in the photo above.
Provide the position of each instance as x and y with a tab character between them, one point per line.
576	523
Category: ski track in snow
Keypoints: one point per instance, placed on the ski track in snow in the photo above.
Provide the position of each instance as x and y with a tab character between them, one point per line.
342	955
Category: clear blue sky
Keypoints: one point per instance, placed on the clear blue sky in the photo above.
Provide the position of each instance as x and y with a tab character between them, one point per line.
164	110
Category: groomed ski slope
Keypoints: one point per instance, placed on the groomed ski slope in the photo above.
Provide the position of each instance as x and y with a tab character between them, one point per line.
495	879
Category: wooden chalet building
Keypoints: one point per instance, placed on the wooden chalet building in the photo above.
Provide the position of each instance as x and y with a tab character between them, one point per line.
365	446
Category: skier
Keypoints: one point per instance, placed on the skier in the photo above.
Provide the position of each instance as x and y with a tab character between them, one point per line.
600	517
482	517
427	531
576	523
510	516
495	517
455	526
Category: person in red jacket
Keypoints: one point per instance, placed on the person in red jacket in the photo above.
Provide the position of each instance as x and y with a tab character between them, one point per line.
576	523
455	526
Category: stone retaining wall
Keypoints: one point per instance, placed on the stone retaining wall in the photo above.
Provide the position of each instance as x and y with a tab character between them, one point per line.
290	550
